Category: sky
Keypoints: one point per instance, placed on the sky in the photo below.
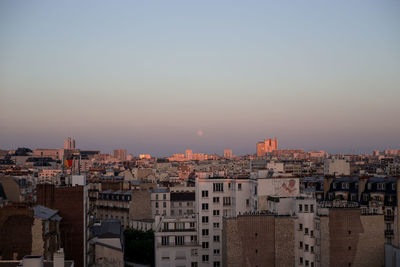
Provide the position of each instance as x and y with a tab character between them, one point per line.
160	77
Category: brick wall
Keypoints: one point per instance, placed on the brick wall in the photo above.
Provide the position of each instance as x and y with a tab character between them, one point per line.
15	232
69	202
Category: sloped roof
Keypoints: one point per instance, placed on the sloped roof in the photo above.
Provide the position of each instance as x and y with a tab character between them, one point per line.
46	213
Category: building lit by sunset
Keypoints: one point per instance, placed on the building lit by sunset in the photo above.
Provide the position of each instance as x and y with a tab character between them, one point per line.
267	146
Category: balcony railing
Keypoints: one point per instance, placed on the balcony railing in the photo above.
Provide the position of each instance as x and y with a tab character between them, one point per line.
389	218
389	233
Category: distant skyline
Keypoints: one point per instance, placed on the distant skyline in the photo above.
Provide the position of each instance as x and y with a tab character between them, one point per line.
162	77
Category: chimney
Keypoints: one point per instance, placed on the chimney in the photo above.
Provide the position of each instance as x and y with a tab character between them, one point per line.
59	258
32	261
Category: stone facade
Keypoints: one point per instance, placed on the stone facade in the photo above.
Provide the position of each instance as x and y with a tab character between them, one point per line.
140	206
351	239
258	240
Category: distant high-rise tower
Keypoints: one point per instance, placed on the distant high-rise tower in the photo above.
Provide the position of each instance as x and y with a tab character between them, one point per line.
271	145
267	146
69	143
260	149
227	153
188	154
120	154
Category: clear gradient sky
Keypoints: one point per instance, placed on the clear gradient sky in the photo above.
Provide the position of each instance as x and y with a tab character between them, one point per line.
147	76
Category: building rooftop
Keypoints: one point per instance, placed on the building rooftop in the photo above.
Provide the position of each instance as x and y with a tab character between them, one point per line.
46	213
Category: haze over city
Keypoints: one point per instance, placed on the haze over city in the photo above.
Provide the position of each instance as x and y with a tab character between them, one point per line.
163	77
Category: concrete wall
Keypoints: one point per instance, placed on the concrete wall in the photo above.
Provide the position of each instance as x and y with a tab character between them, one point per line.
108	257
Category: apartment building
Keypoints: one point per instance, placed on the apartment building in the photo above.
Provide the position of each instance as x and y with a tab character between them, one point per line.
177	241
218	197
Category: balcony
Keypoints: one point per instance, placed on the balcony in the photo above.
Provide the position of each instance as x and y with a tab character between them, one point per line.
389	218
389	233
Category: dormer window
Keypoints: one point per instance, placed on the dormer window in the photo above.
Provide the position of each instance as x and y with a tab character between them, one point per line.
345	185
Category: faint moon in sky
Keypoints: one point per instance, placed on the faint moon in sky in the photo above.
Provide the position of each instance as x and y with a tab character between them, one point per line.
200	133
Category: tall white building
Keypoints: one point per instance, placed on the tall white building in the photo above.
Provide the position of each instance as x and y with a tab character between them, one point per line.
176	241
218	197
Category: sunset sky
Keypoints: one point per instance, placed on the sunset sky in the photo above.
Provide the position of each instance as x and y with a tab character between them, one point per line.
162	76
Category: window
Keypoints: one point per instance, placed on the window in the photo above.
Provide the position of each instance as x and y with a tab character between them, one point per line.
204	245
226	201
306	208
301	244
217	264
164	204
247	202
204	206
311	208
216	199
204	193
312	249
312	233
204	219
179	226
193	238
301	260
300	207
306	247
204	232
157	196
194	252
345	185
192	225
179	240
216	252
164	196
216	238
239	187
194	264
307	263
306	231
215	212
156	204
216	225
205	258
165	226
218	187
300	227
165	240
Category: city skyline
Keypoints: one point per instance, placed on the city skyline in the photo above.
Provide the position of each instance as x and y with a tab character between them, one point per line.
159	78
